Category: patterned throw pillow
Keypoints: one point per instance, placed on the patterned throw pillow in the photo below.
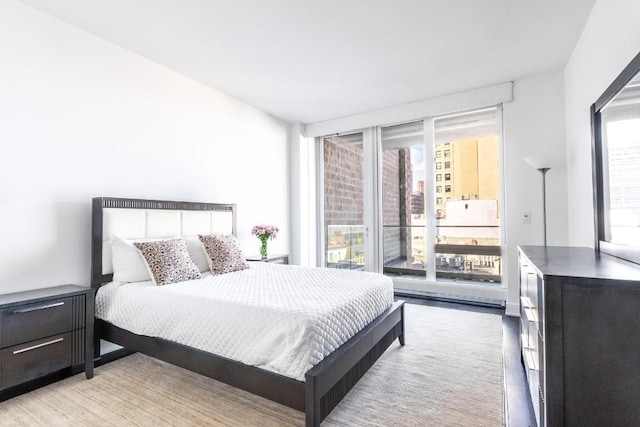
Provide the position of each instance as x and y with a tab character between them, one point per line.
224	253
168	261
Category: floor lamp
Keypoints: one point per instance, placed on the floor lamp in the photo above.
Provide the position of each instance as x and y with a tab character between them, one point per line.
541	165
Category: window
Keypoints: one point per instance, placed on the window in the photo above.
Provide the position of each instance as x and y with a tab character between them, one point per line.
403	198
343	201
467	237
404	226
447	165
616	125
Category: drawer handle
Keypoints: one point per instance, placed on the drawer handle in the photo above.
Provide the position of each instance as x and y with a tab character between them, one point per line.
42	307
33	347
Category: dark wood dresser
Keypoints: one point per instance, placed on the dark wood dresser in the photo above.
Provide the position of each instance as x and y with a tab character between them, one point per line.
44	333
580	336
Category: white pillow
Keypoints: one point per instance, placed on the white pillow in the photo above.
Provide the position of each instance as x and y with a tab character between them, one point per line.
197	253
128	263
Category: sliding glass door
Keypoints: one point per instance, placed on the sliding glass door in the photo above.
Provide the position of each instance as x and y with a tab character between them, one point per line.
418	201
403	199
344	222
467	197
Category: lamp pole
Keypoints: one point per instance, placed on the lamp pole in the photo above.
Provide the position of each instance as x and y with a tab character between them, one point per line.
541	164
544	202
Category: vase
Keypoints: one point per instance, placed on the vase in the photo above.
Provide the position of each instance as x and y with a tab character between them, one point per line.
263	248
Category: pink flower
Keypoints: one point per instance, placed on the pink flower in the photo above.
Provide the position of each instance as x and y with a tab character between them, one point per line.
265	231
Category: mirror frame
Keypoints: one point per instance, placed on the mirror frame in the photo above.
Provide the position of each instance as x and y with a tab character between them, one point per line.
629	253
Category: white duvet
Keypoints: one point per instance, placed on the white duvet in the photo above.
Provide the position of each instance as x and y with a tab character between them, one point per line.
281	318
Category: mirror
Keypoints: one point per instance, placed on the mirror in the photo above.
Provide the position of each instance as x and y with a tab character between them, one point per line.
616	157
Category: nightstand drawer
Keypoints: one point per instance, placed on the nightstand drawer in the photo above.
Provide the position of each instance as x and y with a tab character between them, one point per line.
28	322
34	359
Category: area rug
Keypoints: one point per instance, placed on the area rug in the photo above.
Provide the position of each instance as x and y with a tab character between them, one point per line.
448	374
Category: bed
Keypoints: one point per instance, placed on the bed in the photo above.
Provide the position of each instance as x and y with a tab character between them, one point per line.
318	382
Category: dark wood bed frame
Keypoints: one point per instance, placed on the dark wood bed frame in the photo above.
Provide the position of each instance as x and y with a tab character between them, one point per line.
325	384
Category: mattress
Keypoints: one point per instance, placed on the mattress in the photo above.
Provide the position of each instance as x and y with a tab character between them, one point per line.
281	318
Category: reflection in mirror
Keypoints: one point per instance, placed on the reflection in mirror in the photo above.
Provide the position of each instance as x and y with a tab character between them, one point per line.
615	124
620	130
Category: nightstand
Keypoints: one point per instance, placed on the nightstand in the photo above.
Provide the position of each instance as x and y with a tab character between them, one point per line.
274	259
44	333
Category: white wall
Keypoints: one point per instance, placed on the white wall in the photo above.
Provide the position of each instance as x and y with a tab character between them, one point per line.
609	41
80	117
533	125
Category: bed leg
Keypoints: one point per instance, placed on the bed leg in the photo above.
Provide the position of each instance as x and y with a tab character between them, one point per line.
312	402
401	336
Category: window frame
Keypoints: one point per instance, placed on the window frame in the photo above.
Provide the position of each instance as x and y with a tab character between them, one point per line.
428	283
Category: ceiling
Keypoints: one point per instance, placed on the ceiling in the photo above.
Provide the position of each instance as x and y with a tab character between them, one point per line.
313	60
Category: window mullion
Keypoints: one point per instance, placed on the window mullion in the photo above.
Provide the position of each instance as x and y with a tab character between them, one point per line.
429	200
371	200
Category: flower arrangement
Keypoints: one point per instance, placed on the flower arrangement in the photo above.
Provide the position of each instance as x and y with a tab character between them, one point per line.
264	233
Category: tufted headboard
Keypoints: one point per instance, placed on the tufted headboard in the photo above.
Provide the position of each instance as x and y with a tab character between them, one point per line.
150	219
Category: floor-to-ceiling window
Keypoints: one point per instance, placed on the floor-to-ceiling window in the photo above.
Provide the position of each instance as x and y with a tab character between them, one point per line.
403	198
436	190
467	197
343	177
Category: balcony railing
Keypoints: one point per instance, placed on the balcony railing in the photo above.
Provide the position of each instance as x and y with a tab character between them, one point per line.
405	251
345	246
456	258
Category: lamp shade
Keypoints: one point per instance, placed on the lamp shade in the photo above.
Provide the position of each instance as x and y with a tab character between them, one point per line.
538	162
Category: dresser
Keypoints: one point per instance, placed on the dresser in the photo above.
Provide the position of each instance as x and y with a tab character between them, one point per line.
44	333
580	336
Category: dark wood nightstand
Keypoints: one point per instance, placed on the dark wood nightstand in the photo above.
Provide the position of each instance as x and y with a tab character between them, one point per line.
274	259
45	334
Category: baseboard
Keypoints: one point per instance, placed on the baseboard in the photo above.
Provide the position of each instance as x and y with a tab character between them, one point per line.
478	302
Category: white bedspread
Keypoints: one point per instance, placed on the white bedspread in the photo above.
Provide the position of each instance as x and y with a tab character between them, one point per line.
281	318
